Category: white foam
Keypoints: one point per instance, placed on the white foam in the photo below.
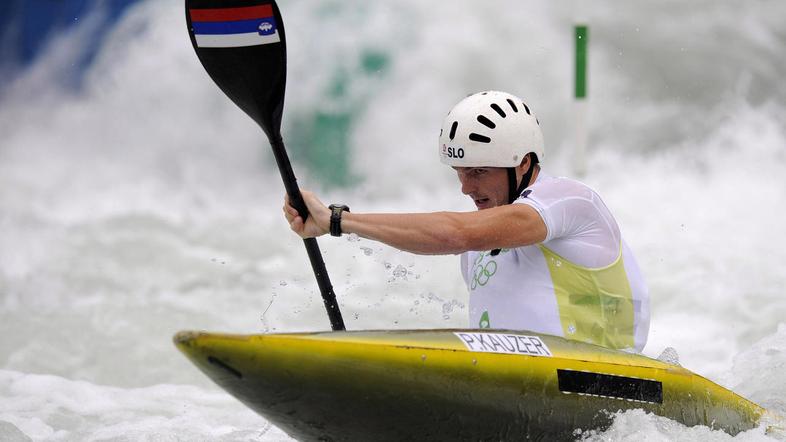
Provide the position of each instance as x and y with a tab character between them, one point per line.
45	407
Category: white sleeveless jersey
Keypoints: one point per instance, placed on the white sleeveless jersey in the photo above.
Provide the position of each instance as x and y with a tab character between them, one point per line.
581	283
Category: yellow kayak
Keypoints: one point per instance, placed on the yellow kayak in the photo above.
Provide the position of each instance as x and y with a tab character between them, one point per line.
452	384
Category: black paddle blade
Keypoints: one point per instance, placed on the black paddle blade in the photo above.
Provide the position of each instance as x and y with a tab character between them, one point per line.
241	44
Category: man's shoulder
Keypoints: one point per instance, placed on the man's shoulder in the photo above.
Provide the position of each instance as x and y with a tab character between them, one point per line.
558	187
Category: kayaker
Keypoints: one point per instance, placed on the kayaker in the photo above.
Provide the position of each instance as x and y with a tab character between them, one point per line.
541	253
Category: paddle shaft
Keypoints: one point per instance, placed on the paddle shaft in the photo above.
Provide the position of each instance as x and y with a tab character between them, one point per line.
312	248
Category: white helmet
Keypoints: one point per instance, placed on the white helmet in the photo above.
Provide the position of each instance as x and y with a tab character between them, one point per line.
489	129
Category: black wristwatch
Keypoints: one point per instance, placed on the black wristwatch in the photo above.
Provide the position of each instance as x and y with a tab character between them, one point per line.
335	218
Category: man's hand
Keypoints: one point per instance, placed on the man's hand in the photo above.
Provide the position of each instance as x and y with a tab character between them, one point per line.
318	222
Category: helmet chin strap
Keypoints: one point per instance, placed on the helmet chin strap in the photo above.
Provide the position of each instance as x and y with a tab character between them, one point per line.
515	189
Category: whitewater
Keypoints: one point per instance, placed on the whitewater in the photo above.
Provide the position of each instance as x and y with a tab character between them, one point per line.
144	202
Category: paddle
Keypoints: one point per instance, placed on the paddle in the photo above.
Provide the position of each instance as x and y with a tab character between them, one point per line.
242	47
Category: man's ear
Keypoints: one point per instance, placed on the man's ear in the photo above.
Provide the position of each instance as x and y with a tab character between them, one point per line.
525	162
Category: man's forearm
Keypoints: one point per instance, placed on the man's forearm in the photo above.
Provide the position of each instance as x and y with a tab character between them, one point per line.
421	233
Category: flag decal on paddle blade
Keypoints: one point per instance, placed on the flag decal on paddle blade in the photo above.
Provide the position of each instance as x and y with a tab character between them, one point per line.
234	27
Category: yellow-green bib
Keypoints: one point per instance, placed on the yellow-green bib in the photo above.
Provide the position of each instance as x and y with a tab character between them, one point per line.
595	304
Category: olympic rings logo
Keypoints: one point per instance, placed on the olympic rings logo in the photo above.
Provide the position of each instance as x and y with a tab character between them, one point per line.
481	274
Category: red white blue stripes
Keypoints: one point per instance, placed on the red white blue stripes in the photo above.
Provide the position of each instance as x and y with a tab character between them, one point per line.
234	27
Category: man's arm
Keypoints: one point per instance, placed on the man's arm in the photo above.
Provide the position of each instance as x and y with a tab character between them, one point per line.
508	226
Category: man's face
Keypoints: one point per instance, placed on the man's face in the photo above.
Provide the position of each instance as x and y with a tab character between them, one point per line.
487	186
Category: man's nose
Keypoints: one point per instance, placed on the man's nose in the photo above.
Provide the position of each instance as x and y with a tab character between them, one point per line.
466	185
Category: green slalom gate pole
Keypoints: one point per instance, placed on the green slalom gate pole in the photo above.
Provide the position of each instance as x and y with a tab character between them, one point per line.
581	62
581	32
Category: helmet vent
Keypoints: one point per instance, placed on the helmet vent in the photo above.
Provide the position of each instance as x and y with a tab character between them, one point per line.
453	130
479	138
486	122
526	108
498	109
512	105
